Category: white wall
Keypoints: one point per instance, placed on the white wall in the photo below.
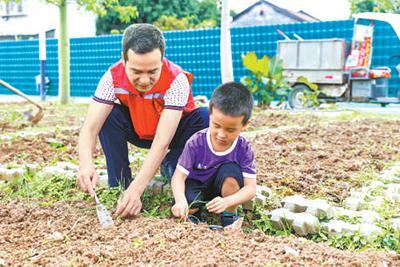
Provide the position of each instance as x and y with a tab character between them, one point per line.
41	16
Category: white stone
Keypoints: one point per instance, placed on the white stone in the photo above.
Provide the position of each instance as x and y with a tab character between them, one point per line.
345	212
50	171
396	223
393	188
295	203
376	203
281	218
305	223
370	230
335	227
359	193
353	203
68	166
369	216
103	180
389	176
321	209
376	184
8	174
32	166
392	197
348	227
260	199
263	190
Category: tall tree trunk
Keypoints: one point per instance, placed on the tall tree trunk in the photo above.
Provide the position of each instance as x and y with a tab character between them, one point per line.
63	56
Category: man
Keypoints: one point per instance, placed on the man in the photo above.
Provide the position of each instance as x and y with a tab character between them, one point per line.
157	111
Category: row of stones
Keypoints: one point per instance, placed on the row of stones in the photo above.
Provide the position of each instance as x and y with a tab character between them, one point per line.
70	171
309	216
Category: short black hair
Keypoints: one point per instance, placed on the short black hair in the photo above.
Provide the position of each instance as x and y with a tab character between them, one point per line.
142	38
233	99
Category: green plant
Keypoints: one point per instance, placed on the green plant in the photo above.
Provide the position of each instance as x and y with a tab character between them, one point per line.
157	205
310	97
267	81
263	223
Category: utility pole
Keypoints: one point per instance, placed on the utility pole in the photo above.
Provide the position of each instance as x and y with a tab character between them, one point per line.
225	45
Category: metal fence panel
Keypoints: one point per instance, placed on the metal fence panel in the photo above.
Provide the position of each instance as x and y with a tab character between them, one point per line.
196	51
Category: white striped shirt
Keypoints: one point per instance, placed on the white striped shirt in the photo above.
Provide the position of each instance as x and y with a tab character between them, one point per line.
176	97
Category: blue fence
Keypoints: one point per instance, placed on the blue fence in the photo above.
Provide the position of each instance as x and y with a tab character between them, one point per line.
195	50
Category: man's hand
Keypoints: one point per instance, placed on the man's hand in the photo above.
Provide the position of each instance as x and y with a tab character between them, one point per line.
217	205
130	204
87	179
180	210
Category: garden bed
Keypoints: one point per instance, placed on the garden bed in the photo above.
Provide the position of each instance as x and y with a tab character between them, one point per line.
315	156
68	234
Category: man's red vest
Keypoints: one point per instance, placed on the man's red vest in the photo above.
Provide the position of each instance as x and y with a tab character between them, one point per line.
145	108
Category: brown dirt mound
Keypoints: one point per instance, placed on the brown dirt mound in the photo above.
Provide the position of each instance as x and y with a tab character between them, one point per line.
65	234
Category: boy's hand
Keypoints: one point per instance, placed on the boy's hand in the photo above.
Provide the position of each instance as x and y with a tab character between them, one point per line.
217	205
180	210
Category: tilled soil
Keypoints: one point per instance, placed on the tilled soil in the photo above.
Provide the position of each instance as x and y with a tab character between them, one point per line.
275	119
65	234
320	159
40	148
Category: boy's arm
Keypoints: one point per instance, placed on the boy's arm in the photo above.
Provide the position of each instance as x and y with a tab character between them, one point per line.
178	185
180	208
247	192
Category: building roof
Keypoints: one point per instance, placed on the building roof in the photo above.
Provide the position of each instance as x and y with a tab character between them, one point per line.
299	16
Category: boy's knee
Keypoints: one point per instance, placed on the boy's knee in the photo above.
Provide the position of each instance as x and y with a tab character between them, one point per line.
230	186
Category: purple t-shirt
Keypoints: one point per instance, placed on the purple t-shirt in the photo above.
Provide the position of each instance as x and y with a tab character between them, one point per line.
199	161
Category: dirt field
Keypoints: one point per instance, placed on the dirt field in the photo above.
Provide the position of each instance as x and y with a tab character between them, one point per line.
294	154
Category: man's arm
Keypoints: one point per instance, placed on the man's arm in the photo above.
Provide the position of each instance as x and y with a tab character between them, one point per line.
131	204
95	118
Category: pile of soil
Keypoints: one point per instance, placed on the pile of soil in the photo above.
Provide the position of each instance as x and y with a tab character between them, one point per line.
68	234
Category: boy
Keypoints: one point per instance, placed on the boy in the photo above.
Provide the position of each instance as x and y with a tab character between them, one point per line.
216	164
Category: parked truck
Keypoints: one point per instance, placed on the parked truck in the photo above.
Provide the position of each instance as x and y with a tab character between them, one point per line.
342	71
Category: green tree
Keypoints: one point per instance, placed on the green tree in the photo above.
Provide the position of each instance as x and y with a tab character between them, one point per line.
386	6
100	7
192	12
169	23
